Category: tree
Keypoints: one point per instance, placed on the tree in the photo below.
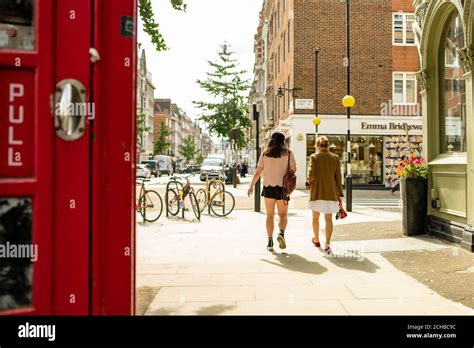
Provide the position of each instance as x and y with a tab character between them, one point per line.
188	150
200	158
141	127
151	27
161	145
226	87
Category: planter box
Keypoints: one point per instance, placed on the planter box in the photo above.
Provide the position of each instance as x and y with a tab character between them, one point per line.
414	194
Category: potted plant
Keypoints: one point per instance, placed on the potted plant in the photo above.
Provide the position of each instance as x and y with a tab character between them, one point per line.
413	174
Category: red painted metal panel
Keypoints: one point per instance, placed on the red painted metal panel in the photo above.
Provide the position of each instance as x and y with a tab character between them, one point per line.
71	167
37	64
113	225
91	198
17	123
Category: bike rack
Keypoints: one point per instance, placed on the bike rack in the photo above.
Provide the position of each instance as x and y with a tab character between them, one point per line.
166	196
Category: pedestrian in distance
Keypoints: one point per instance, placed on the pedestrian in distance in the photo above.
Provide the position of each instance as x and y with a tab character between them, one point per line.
243	169
325	184
274	164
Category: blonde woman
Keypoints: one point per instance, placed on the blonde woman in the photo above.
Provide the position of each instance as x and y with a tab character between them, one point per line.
325	185
273	165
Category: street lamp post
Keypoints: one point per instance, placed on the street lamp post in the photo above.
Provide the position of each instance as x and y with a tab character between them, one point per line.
316	120
256	117
348	103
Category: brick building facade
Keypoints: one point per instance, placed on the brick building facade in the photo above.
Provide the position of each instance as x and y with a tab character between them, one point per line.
382	81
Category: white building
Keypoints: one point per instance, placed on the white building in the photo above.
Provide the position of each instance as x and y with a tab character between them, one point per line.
145	105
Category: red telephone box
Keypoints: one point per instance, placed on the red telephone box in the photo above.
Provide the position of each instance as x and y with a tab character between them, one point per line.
67	140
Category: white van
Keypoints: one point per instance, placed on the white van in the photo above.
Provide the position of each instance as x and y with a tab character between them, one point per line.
214	156
165	164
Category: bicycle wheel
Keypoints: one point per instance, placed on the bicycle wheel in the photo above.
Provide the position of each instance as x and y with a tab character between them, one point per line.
153	206
173	202
201	197
195	205
222	203
140	204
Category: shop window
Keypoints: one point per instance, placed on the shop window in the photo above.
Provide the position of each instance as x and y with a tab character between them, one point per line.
16	25
453	88
402	26
397	147
366	157
367	160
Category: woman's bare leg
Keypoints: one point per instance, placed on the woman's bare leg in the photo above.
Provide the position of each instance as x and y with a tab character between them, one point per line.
316	215
282	214
270	211
329	228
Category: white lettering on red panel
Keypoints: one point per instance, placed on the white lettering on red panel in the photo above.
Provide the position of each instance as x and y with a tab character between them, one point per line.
18	120
16	91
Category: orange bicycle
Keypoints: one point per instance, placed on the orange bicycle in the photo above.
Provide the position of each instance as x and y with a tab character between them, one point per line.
149	203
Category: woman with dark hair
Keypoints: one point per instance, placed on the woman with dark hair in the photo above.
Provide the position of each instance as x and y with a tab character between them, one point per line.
325	185
273	165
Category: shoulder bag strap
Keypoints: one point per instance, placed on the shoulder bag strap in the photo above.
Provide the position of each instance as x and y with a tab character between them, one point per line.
289	158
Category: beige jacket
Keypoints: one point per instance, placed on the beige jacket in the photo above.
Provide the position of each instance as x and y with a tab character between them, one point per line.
325	177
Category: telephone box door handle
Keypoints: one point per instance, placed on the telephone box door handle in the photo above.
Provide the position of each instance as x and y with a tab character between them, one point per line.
70	110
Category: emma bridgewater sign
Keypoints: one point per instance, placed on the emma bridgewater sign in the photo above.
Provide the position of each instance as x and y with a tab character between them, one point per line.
391	126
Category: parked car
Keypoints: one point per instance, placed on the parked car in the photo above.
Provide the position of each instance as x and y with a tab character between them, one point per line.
211	168
143	171
153	166
191	169
165	164
221	157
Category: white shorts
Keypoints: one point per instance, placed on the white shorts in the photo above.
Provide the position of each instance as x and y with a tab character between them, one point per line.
325	207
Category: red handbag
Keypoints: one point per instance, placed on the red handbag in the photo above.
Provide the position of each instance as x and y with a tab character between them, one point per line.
341	214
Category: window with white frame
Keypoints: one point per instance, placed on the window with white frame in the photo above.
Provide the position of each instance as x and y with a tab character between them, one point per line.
402	27
404	88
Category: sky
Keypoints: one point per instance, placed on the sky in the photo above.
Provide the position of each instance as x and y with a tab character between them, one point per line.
193	38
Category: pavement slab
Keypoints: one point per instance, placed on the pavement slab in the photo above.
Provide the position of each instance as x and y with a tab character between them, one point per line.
221	267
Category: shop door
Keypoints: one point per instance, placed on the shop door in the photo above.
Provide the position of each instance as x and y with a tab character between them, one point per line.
45	79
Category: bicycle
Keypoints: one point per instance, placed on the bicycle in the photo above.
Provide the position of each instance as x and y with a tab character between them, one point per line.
176	194
221	203
149	203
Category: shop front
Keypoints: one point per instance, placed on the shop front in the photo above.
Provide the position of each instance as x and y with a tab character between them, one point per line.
445	38
377	145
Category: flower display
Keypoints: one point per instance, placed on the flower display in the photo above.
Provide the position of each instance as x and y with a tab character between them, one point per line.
415	168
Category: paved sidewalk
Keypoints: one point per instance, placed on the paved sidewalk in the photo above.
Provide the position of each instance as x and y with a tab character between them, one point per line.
221	266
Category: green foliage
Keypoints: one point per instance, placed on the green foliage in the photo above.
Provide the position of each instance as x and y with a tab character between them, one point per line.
151	27
226	89
141	128
188	150
161	145
200	158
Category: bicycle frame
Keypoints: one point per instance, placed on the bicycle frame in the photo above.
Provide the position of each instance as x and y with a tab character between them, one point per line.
181	193
138	204
220	183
